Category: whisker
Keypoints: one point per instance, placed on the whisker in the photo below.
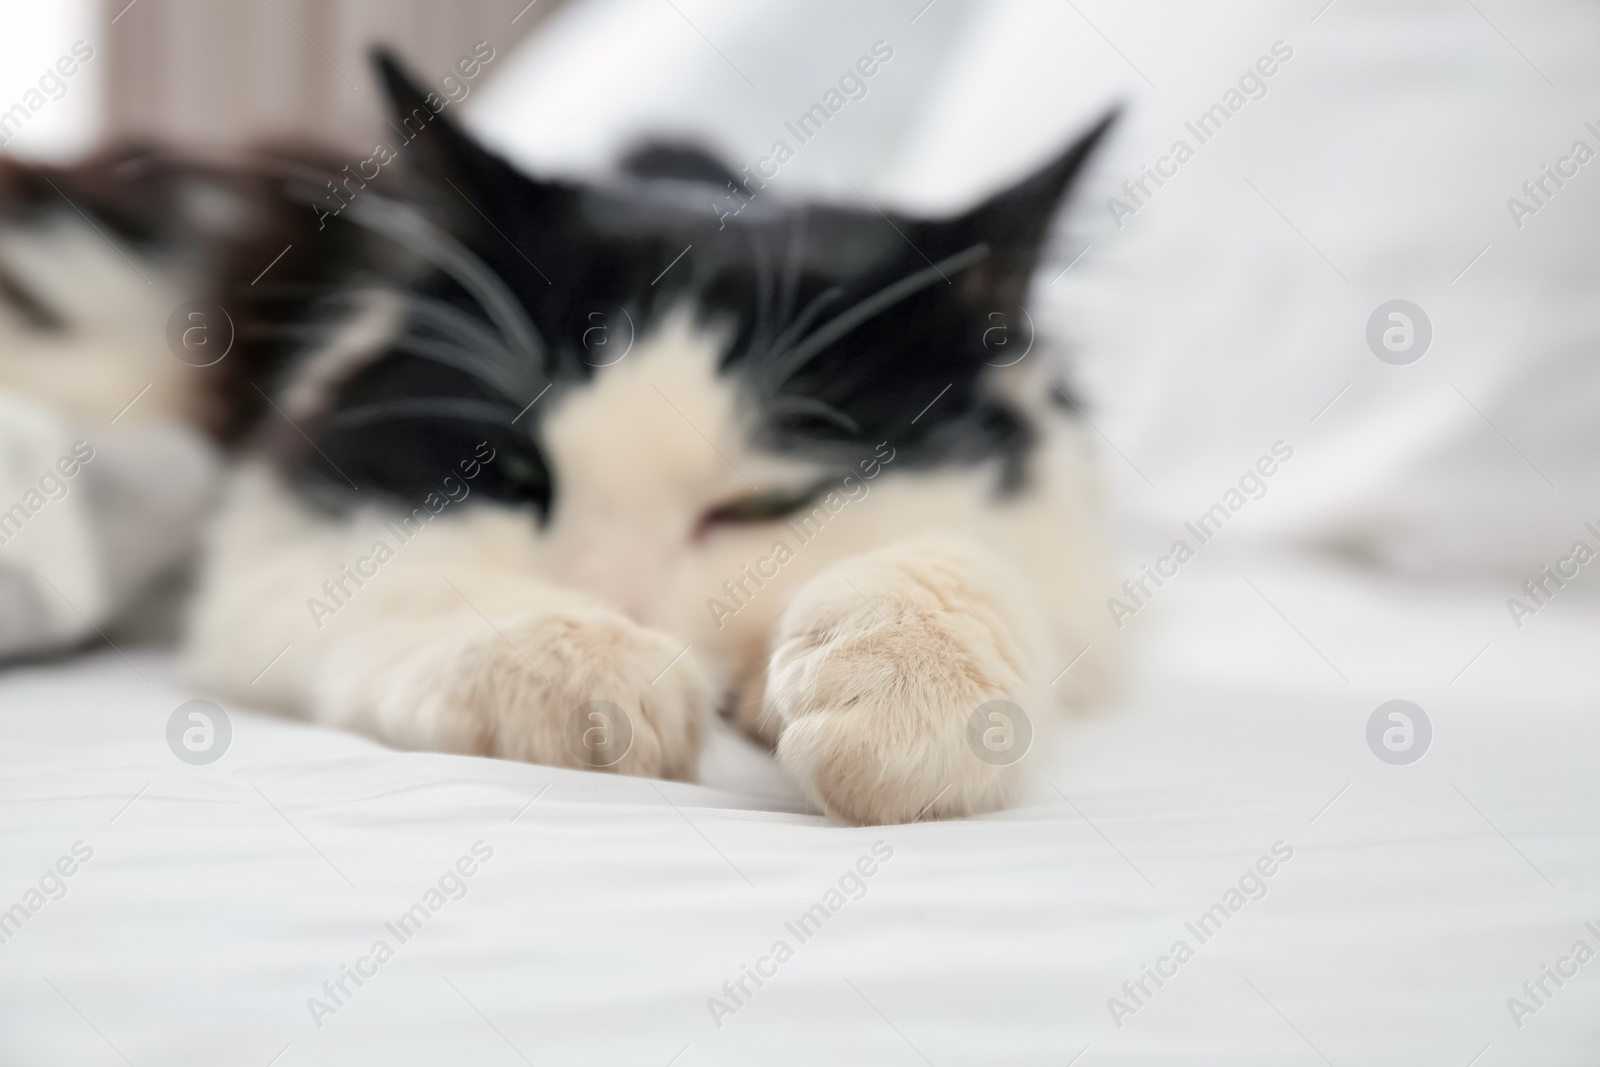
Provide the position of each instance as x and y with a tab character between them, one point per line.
764	286
795	260
473	340
452	322
413	231
463	359
805	405
803	321
791	361
458	409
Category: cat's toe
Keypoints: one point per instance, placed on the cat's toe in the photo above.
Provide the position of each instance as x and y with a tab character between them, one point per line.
584	688
903	688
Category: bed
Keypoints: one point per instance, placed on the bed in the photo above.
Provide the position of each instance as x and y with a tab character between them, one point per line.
1415	900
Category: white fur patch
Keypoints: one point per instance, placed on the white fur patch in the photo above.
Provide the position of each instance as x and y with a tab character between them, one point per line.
640	455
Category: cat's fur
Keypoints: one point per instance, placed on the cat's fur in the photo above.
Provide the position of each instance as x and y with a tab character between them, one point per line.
591	525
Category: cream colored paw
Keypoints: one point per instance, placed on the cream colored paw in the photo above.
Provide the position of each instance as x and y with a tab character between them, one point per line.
577	687
906	683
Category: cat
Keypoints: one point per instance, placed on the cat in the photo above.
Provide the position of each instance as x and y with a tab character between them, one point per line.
555	470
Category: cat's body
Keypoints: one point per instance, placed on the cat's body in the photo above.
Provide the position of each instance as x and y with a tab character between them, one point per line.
786	481
863	654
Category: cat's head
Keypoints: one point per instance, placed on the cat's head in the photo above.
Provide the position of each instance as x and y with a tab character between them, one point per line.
671	357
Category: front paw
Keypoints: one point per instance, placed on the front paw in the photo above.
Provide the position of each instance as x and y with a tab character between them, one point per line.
905	682
578	687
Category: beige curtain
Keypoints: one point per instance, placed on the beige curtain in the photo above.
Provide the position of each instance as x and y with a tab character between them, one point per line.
227	73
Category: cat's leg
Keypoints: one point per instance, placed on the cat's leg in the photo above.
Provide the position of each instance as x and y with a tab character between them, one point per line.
911	682
452	642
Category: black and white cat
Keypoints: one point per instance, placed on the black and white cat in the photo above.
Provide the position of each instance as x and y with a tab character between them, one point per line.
562	469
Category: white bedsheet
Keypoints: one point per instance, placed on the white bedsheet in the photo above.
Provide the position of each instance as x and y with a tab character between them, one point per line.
1417	900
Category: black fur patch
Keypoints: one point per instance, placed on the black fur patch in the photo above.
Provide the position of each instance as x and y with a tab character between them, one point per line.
849	326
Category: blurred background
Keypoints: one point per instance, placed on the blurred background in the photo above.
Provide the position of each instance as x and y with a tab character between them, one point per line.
1202	318
237	72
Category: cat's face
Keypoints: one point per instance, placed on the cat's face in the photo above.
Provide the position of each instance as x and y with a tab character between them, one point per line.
661	385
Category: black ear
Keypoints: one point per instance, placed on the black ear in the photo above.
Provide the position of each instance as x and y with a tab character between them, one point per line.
676	160
1014	224
445	170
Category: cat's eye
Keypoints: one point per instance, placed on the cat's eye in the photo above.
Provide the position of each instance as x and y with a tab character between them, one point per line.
768	505
521	470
